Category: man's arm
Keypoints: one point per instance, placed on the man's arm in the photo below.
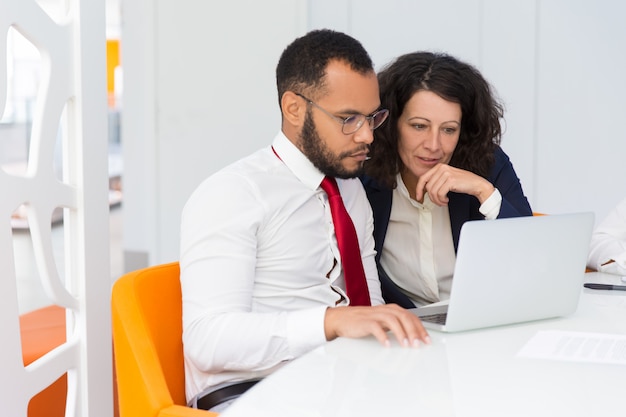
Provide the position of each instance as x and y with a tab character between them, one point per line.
607	250
218	260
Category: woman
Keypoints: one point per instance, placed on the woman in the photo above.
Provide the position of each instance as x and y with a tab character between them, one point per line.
435	164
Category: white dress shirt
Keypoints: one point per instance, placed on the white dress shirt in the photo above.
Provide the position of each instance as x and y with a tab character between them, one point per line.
418	253
260	265
608	242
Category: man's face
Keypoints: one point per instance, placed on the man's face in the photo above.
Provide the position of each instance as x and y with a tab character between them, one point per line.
321	138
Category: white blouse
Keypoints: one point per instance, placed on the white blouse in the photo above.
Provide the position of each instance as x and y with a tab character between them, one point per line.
418	253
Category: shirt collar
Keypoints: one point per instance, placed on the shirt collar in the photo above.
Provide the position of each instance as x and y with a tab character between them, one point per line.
297	162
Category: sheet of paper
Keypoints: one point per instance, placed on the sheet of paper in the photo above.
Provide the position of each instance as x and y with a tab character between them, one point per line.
576	347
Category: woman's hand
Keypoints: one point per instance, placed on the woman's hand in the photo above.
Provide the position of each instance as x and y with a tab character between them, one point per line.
443	178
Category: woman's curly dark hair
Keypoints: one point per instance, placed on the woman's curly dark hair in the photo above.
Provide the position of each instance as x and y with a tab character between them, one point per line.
452	80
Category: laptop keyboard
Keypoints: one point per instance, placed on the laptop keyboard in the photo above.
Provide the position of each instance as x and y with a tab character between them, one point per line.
435	318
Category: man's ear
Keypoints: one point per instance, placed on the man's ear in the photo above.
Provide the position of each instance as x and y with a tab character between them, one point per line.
293	108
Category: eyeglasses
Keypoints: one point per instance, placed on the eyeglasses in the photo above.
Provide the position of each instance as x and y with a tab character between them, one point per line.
351	124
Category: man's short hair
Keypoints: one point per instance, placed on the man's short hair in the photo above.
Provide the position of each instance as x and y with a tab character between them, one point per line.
302	65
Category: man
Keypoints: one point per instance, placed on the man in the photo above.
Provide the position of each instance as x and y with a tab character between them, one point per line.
607	250
261	272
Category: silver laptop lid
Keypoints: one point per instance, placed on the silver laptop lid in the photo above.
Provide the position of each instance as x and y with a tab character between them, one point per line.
518	269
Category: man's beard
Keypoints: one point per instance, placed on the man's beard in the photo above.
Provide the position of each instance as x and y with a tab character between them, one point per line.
319	154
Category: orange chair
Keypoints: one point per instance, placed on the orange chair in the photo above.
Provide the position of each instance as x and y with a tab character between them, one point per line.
147	339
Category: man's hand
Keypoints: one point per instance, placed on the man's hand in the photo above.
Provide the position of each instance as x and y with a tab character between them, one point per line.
355	322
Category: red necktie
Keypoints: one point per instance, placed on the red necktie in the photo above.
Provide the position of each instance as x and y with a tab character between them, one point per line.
353	274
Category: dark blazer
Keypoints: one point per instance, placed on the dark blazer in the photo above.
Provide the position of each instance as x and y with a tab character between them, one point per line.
462	207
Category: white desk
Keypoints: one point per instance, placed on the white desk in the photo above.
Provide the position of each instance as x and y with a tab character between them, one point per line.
476	373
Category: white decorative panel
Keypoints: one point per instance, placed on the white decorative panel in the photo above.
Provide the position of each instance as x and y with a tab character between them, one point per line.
70	108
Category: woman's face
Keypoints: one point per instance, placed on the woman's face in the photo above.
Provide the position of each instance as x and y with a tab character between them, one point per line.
429	129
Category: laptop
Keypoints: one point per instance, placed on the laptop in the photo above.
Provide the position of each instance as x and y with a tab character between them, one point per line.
514	270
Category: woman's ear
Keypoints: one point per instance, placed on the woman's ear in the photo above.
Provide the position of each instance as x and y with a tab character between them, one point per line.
293	108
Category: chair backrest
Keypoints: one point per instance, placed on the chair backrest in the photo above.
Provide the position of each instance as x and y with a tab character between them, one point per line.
147	338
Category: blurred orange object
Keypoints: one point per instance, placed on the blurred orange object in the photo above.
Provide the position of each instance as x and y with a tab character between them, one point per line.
42	330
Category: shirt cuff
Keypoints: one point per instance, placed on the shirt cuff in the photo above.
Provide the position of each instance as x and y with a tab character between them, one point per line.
618	266
305	330
491	207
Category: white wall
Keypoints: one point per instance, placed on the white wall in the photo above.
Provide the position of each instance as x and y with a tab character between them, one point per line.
580	105
200	90
199	93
